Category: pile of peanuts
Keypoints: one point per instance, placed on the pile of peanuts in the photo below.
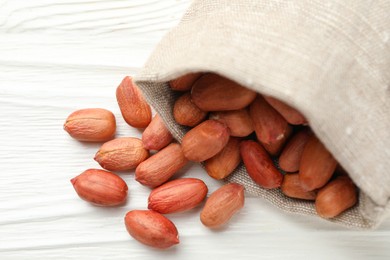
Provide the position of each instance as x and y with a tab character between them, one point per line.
229	124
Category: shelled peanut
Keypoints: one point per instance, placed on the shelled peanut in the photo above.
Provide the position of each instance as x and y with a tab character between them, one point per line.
151	228
222	205
229	124
91	125
100	187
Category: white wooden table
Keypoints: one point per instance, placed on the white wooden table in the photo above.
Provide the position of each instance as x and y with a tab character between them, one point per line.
57	56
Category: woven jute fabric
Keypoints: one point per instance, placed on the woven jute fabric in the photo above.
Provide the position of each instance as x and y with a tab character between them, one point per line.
329	59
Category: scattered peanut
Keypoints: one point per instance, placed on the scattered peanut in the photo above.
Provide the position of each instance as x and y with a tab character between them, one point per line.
100	187
177	195
91	125
134	108
222	142
151	228
222	205
121	154
161	166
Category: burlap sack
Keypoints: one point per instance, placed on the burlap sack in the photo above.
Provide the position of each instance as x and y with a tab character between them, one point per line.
330	59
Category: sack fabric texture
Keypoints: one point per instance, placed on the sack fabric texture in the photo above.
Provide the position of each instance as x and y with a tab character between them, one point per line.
329	59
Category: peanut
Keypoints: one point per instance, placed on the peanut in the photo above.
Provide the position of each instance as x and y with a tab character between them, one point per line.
177	195
222	164
259	165
317	165
222	205
100	187
291	187
290	158
91	125
186	112
121	154
238	121
161	166
151	228
291	115
205	140
215	93
156	135
185	82
134	108
336	197
272	130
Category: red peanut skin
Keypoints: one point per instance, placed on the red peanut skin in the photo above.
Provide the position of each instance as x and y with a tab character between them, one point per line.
186	112
161	166
205	140
291	187
215	93
185	82
156	135
100	187
134	108
291	115
151	228
238	121
259	165
290	158
177	195
335	197
91	125
272	130
114	155
317	165
222	164
222	205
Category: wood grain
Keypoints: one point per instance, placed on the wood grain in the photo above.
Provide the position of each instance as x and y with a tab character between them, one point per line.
59	56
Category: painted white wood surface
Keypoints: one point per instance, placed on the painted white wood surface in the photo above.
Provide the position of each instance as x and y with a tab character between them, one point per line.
57	56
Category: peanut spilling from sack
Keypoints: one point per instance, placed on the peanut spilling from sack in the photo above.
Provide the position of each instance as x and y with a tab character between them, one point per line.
262	130
228	125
